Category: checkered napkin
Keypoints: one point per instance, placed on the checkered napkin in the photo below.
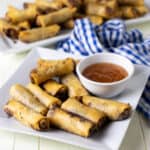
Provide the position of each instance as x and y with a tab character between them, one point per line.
112	36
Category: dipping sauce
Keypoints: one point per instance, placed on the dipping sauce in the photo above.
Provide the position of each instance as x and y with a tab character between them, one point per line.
105	72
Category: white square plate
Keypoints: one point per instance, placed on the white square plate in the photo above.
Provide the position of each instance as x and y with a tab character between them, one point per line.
7	45
109	138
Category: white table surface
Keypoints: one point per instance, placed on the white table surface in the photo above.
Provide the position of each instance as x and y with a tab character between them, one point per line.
137	136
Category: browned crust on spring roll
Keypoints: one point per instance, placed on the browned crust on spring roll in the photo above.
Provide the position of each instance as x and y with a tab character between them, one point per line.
48	69
70	123
26	115
113	109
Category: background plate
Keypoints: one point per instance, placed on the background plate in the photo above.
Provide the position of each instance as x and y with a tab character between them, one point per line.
109	138
7	45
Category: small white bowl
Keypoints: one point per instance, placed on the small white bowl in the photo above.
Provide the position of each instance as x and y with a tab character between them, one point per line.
106	90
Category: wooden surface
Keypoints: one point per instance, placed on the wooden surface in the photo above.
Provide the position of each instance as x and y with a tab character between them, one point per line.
136	138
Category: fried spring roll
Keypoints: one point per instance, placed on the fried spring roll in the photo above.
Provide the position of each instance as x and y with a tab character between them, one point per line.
16	16
96	19
131	2
56	89
8	29
110	3
70	123
90	1
79	15
26	115
69	24
28	5
46	99
57	17
104	11
74	106
71	3
12	8
113	109
37	34
74	85
130	12
25	25
48	69
23	95
45	6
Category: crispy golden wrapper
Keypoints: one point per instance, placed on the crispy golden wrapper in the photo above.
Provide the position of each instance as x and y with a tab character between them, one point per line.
113	109
46	99
23	95
75	87
110	3
16	16
47	69
71	3
37	34
25	25
45	6
8	29
96	19
56	17
131	2
56	89
70	123
76	107
129	12
28	5
104	11
69	24
26	115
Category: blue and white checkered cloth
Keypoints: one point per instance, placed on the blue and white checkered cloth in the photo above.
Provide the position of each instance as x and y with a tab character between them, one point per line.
112	36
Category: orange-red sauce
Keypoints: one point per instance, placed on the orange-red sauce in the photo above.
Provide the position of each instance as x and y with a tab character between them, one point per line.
105	72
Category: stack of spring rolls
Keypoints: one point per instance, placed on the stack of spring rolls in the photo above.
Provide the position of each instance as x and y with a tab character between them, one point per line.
107	9
44	19
56	98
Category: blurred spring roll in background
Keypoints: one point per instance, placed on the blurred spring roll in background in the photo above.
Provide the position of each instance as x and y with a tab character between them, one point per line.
16	16
56	17
79	15
12	9
131	2
23	95
28	5
100	10
110	3
48	69
130	12
70	123
71	3
69	24
46	99
8	29
75	87
56	89
103	2
26	115
36	34
45	6
25	25
96	19
74	106
113	109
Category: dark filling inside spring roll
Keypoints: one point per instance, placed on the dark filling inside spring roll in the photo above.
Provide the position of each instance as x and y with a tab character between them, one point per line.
43	124
125	114
11	33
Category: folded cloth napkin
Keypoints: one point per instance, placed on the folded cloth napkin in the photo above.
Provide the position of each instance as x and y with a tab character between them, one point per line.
112	36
